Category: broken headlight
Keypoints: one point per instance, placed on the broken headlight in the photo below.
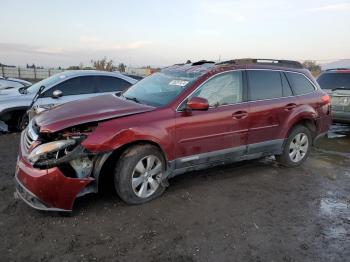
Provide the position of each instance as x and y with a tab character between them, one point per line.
50	149
64	150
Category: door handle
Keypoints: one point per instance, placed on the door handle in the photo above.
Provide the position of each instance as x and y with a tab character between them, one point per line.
240	114
290	107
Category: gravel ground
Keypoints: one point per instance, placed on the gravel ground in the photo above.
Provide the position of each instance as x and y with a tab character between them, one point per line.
251	211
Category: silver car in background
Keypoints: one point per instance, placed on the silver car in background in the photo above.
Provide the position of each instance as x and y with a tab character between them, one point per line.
57	89
13	83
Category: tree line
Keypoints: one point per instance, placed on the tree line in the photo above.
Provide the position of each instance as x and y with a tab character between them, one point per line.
103	64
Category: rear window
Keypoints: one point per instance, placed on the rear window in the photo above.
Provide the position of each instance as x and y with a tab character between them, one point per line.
264	84
334	80
300	84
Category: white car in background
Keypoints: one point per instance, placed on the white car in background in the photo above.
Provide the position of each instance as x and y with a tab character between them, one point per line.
57	89
10	83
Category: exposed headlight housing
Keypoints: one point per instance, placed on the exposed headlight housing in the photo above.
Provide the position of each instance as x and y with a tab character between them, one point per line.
43	151
62	148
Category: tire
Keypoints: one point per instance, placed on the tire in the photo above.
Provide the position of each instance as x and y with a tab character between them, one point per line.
297	147
136	179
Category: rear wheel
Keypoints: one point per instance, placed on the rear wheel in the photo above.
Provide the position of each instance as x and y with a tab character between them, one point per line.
138	174
297	147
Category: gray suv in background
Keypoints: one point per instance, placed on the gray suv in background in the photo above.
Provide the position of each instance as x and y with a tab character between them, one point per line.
57	89
336	82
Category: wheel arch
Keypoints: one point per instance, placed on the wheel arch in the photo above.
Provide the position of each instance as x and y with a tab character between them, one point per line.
309	123
11	115
109	164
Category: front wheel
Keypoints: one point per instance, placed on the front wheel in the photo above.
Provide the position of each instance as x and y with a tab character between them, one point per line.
297	147
138	174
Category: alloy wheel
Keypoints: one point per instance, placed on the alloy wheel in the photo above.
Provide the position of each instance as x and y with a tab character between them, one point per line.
298	147
146	176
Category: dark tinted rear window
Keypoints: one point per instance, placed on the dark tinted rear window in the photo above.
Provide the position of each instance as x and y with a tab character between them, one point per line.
334	80
300	84
264	84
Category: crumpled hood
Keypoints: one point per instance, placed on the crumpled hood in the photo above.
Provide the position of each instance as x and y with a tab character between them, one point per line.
87	110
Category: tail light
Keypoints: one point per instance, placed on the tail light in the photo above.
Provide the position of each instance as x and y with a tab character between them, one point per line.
326	104
326	99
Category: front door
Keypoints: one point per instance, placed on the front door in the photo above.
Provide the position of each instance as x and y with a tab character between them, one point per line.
72	89
221	131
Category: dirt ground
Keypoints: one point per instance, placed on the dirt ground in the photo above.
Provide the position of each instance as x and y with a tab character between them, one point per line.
251	211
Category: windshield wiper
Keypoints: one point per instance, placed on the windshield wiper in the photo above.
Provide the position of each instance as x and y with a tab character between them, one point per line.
132	99
41	89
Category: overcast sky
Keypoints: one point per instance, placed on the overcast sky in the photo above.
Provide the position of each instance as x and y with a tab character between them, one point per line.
152	32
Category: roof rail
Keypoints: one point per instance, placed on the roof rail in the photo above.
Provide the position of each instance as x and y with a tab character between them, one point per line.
273	62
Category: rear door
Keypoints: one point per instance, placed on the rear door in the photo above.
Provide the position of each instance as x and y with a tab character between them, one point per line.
271	103
221	131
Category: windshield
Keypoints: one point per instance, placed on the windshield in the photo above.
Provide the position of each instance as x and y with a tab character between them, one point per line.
46	82
158	89
334	81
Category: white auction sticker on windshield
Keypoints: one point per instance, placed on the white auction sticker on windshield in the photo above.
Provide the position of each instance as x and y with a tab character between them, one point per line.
178	83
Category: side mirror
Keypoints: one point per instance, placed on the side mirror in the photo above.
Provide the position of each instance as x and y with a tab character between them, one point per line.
57	94
197	103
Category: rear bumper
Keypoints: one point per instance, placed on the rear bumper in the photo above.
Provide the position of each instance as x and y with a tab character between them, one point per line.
47	189
341	117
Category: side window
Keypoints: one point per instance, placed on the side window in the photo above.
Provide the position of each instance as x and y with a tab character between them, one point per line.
111	84
223	89
264	84
75	86
300	84
287	91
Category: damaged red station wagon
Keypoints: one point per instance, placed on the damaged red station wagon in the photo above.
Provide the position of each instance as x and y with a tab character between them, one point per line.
186	117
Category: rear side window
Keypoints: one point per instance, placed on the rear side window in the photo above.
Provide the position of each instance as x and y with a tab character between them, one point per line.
300	84
334	80
264	84
111	84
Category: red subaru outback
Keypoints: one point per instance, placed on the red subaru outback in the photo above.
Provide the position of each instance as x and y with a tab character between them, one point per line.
187	117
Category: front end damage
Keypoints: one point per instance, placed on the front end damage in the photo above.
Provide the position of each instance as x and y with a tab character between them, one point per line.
54	169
